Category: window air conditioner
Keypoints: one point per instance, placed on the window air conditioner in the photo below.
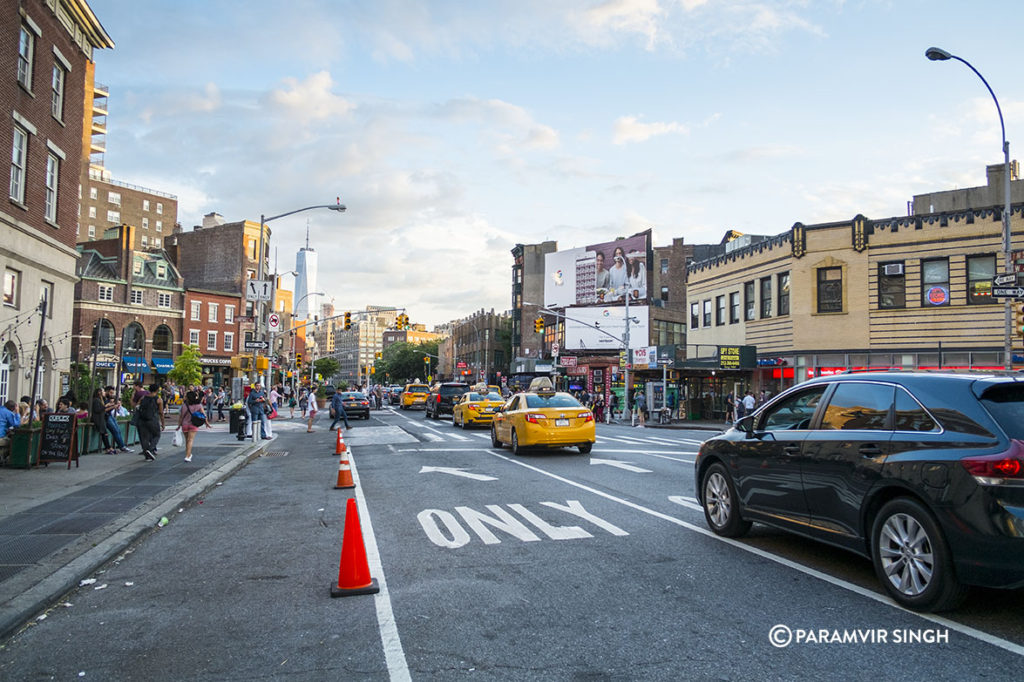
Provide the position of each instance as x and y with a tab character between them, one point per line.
893	269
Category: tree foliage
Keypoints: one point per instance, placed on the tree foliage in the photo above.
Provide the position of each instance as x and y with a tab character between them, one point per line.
402	363
326	367
187	369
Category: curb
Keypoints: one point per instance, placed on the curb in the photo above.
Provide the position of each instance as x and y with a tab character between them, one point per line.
64	569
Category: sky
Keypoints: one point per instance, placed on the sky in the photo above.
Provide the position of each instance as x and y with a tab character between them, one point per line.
453	130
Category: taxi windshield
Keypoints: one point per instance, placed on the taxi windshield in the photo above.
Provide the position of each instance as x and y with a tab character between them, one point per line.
551	400
418	389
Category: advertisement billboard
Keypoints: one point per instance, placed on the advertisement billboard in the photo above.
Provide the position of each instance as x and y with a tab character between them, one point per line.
598	274
602	328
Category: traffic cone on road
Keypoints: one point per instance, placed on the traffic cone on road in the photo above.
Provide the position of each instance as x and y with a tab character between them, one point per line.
339	445
354	571
344	474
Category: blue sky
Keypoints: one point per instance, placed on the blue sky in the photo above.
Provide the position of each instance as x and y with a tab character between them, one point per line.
454	130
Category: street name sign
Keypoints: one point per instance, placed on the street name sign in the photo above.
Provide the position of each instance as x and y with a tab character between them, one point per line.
256	345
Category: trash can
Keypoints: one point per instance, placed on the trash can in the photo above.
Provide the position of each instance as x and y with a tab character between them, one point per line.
235	417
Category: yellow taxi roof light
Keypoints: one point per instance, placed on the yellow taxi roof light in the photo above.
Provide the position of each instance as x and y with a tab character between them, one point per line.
541	385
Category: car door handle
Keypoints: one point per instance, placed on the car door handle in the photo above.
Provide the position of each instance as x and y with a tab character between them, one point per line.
792	450
870	450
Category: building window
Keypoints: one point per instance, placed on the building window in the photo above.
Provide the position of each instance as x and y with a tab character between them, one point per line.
694	316
133	338
137	296
664	294
103	335
229	341
830	290
145	240
12	281
783	294
706	313
137	267
145	223
52	177
145	204
159	207
92	232
935	282
980	271
159	226
57	97
163	340
734	307
720	310
212	309
161	270
892	285
749	302
114	198
92	211
664	266
114	217
766	297
163	300
211	340
26	57
196	307
193	337
106	293
229	314
156	241
93	193
19	152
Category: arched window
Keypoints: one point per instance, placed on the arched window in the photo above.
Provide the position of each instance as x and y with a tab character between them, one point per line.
163	339
7	359
104	330
133	340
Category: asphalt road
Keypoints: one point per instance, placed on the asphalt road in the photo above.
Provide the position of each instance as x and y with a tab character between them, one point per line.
548	566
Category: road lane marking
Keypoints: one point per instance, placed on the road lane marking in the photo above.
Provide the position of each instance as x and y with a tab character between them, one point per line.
454	471
625	466
837	582
391	642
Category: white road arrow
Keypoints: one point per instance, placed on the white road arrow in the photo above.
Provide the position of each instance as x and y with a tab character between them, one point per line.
457	472
621	465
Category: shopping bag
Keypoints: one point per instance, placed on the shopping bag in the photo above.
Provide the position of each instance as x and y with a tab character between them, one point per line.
179	439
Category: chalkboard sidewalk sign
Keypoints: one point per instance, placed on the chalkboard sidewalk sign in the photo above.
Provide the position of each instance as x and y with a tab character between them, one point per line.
57	443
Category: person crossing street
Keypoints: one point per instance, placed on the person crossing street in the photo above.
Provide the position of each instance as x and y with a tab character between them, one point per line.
338	406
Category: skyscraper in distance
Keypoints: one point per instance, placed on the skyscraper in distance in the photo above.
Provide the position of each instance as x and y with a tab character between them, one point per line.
305	283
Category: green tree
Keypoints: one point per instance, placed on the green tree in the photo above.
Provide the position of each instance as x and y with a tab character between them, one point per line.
326	367
187	369
82	383
403	362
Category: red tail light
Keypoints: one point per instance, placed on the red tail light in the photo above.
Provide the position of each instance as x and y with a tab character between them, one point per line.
438	398
535	418
586	416
994	469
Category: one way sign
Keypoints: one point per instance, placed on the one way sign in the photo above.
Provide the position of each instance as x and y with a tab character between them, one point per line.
1008	292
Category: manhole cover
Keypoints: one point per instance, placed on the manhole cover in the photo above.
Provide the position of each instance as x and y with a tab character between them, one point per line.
280	453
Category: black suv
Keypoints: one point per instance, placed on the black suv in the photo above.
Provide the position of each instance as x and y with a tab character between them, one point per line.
923	473
442	397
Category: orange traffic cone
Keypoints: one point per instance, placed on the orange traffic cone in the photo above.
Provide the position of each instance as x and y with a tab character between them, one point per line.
344	474
354	571
339	445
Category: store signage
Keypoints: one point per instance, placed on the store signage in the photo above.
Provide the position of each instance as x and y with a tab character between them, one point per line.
737	357
214	361
568	361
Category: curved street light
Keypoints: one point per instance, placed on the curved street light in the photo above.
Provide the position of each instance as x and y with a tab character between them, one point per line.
939	55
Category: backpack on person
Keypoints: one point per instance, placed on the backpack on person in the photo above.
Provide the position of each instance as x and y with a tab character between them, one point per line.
147	411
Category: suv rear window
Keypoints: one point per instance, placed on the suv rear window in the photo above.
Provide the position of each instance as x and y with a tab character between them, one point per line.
1005	402
452	390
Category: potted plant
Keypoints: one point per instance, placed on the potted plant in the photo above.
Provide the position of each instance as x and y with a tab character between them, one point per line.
25	445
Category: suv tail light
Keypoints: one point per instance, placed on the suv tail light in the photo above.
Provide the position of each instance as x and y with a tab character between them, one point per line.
1005	467
586	416
535	418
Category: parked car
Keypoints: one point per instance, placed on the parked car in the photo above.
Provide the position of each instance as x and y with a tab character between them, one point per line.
393	395
442	398
414	395
476	407
356	404
543	417
923	473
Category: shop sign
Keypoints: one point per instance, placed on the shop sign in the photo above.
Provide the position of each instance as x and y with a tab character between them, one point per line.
568	361
581	369
641	357
737	357
460	365
214	361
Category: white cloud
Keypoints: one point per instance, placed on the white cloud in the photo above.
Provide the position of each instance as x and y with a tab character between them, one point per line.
630	129
310	99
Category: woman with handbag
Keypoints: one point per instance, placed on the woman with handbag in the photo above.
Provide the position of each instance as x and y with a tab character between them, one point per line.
190	419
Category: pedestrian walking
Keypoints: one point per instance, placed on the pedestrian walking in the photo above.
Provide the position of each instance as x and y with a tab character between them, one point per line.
749	403
221	399
292	402
256	403
148	418
338	405
638	410
98	415
304	402
191	418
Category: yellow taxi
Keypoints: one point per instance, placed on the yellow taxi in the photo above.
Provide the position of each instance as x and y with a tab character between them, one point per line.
543	417
415	395
476	406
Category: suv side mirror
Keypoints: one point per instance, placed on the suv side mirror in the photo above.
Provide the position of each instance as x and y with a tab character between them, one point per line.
746	425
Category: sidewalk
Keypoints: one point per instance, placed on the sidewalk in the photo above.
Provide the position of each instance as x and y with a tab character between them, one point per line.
57	525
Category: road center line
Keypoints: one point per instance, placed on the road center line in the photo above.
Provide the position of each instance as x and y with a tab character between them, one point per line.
857	589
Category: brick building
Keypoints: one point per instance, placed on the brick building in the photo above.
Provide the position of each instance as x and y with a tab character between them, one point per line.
128	309
211	324
46	48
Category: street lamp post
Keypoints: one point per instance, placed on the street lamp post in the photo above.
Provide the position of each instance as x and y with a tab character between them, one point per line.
937	54
340	207
295	308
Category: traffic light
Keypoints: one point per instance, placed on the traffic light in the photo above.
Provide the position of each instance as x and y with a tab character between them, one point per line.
538	325
348	321
298	359
1019	318
378	355
426	359
401	322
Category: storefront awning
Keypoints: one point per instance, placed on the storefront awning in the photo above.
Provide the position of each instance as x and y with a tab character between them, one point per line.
135	364
163	365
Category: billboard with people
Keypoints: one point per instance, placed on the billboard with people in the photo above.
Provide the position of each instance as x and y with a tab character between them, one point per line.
599	274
